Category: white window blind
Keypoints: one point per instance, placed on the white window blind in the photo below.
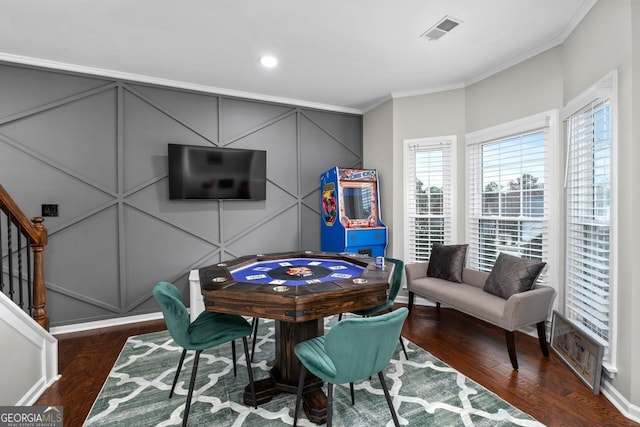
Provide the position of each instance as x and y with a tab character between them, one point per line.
589	204
429	171
508	198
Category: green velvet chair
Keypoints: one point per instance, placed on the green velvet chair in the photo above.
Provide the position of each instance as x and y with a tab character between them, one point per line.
207	331
396	282
353	349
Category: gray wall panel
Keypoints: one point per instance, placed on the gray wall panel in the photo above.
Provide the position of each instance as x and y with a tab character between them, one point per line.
198	112
147	130
156	250
239	118
82	259
24	88
347	131
310	231
319	152
279	234
280	141
73	128
98	148
198	218
33	179
243	217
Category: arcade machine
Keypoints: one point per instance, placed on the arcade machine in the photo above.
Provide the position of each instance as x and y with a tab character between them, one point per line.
350	212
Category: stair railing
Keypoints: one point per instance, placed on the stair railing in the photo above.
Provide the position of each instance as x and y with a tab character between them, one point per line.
14	282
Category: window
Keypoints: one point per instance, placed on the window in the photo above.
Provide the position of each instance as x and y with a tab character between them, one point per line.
589	202
508	192
429	171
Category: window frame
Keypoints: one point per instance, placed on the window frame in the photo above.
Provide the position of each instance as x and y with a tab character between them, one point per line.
450	236
605	88
548	120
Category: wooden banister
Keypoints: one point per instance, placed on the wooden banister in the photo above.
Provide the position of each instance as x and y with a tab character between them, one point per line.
36	232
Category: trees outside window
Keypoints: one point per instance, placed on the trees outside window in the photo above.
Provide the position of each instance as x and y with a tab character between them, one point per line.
429	173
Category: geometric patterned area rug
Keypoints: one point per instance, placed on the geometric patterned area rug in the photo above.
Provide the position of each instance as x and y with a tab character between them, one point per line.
425	391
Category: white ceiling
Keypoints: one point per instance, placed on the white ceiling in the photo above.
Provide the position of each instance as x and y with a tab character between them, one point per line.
344	55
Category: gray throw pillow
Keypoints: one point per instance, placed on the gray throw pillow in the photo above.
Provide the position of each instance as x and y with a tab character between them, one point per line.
447	261
511	275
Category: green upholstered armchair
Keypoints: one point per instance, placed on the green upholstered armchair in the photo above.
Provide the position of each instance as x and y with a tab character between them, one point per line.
207	331
353	349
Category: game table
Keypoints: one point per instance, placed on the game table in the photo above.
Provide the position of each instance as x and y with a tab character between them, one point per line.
297	290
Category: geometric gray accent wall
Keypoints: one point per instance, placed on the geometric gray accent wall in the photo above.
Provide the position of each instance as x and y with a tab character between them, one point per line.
97	147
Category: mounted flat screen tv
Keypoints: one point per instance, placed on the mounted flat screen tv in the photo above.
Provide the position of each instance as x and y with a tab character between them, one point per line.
202	172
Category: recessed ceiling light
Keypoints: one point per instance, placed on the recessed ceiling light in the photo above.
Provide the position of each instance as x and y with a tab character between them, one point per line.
269	61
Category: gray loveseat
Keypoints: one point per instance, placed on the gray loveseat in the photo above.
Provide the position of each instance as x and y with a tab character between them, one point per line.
519	310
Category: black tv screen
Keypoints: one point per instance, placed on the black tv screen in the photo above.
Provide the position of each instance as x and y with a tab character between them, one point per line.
201	172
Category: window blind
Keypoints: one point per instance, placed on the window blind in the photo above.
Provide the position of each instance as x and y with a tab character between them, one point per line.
588	206
508	198
429	171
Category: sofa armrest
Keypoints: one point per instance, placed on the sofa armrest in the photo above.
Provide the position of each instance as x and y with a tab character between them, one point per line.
415	271
526	308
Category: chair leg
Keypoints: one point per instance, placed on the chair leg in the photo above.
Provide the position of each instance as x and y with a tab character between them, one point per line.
303	371
404	350
254	325
175	378
353	397
511	347
187	406
233	356
542	337
411	297
249	370
389	401
329	404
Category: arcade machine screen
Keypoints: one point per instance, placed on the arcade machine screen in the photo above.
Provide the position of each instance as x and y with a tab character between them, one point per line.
357	202
358	208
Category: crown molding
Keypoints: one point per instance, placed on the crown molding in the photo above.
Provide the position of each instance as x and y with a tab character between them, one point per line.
176	84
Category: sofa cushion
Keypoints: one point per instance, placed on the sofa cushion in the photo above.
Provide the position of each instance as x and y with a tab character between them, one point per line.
511	275
447	261
466	298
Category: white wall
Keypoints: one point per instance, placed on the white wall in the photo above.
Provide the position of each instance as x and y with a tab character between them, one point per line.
545	82
528	88
602	42
20	365
28	359
634	232
435	114
378	132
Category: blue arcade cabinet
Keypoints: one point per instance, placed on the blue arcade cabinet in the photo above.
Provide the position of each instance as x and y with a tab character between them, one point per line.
350	212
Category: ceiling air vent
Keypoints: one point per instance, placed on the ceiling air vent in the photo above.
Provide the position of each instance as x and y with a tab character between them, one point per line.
443	26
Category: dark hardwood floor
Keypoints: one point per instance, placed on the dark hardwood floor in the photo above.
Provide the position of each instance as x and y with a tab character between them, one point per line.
544	388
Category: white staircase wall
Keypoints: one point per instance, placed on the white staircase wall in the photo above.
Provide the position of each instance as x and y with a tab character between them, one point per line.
28	359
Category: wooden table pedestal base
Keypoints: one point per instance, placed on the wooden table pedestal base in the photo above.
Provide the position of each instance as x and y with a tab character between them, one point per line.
314	401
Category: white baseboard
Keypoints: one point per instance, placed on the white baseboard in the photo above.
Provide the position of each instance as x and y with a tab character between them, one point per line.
87	326
36	391
625	407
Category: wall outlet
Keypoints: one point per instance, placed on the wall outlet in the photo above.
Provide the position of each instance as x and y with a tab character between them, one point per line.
49	210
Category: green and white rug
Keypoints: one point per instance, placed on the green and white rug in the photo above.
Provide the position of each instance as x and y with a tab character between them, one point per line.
425	391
